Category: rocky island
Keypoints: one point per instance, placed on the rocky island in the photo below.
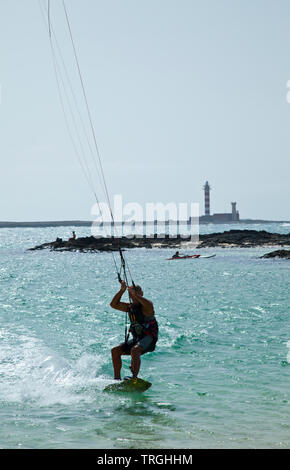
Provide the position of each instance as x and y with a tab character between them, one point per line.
285	254
243	239
231	238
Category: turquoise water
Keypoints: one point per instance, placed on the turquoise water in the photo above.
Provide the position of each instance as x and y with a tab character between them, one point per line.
220	371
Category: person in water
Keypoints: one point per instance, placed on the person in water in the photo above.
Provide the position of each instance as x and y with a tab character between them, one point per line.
176	255
143	327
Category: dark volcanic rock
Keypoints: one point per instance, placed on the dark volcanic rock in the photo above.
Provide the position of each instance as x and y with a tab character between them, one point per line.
278	254
243	238
232	238
110	244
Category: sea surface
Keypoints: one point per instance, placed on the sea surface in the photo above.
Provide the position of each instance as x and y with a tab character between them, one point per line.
220	373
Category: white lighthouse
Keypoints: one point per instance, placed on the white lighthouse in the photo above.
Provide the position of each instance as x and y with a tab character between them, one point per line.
206	199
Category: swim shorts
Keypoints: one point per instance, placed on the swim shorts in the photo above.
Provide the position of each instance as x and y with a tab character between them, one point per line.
147	344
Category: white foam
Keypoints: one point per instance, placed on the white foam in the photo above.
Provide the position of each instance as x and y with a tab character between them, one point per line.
30	371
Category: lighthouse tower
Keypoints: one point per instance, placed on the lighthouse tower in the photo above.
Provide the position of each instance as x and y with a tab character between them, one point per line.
235	213
206	198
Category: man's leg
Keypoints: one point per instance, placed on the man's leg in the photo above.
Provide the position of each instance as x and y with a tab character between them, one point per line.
143	346
117	352
136	352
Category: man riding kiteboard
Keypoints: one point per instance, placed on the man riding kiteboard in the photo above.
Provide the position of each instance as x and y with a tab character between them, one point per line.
143	327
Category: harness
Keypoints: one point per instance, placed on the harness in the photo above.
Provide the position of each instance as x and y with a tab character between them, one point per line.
141	325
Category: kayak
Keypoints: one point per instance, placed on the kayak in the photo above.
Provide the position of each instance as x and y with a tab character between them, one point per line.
193	256
185	257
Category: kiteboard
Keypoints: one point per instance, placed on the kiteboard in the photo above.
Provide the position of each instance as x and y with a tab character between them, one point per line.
129	385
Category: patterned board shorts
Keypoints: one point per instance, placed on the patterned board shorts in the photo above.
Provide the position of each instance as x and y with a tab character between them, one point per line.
147	344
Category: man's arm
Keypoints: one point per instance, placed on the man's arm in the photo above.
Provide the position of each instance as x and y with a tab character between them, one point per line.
147	305
116	304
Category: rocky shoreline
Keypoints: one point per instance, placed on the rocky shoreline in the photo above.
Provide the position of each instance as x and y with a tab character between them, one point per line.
285	254
244	239
87	244
231	238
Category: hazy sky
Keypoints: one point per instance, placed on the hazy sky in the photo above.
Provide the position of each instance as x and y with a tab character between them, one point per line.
181	91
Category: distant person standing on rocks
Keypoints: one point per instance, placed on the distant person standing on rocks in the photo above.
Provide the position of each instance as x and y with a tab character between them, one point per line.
73	237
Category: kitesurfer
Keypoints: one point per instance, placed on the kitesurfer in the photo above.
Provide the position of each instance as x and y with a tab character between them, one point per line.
143	327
